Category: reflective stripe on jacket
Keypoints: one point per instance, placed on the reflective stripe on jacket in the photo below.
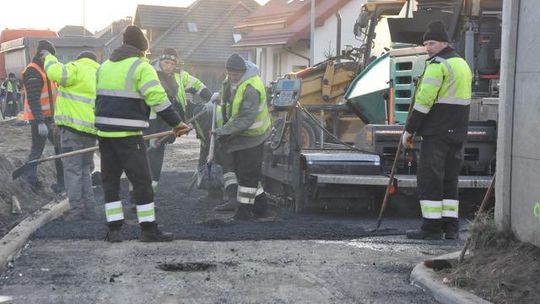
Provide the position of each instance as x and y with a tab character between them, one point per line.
126	90
75	102
46	101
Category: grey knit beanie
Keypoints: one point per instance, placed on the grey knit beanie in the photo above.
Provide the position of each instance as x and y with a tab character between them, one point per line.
236	63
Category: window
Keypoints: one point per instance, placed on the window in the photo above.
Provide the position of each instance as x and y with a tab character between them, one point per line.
236	37
192	27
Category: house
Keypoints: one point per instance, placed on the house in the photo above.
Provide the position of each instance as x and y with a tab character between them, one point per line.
202	33
74	31
279	33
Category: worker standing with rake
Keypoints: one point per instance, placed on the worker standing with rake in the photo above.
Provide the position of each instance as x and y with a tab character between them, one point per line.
441	117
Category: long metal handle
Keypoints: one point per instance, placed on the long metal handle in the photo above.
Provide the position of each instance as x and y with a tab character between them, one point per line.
91	149
192	119
210	157
394	165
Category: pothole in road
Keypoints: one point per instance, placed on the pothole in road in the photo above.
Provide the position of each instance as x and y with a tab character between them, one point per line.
187	267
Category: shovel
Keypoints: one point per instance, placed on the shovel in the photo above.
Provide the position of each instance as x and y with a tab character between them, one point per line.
211	174
390	187
19	171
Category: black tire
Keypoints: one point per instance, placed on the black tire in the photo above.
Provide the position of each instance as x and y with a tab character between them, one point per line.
311	133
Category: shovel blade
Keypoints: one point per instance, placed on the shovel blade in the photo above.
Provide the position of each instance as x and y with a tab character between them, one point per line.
210	176
20	171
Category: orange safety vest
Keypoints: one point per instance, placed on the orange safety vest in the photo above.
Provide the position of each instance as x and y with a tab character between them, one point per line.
46	101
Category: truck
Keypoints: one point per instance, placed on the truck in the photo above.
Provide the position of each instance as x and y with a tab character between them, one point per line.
18	52
349	167
12	34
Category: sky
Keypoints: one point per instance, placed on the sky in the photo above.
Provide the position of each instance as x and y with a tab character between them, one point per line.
55	14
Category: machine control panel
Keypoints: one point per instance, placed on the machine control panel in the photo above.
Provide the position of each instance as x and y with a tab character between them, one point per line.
286	93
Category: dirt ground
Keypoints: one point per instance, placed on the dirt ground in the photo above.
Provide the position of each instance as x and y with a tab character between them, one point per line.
14	149
500	268
299	258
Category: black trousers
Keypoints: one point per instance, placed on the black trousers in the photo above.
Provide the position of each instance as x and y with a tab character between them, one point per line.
36	151
156	157
437	175
11	108
247	166
126	154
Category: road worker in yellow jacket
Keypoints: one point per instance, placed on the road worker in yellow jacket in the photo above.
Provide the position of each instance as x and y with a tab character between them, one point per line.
441	117
74	115
245	125
127	89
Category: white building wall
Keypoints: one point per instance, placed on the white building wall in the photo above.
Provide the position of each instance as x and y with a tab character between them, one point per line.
325	36
293	60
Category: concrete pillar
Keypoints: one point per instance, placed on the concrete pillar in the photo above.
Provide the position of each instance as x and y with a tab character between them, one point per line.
506	112
518	155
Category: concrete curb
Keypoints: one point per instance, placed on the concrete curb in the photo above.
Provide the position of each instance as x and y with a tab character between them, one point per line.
426	279
11	243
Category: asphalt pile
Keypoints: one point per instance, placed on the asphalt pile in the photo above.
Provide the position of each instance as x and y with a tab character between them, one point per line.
189	219
14	149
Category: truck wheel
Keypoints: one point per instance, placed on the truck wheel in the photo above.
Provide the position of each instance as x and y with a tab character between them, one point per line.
311	133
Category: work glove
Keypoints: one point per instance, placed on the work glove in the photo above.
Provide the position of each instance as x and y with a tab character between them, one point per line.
215	97
181	129
407	140
42	129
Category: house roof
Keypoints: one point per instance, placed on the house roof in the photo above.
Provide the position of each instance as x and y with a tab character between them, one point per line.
155	16
214	20
284	22
74	31
59	42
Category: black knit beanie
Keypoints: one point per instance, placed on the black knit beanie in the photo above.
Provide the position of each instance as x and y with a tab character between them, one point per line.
436	31
135	37
236	63
87	54
45	45
169	54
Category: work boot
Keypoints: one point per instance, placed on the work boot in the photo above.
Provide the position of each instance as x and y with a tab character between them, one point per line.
227	206
420	234
243	212
114	236
151	233
96	178
57	188
450	228
451	235
230	205
261	211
